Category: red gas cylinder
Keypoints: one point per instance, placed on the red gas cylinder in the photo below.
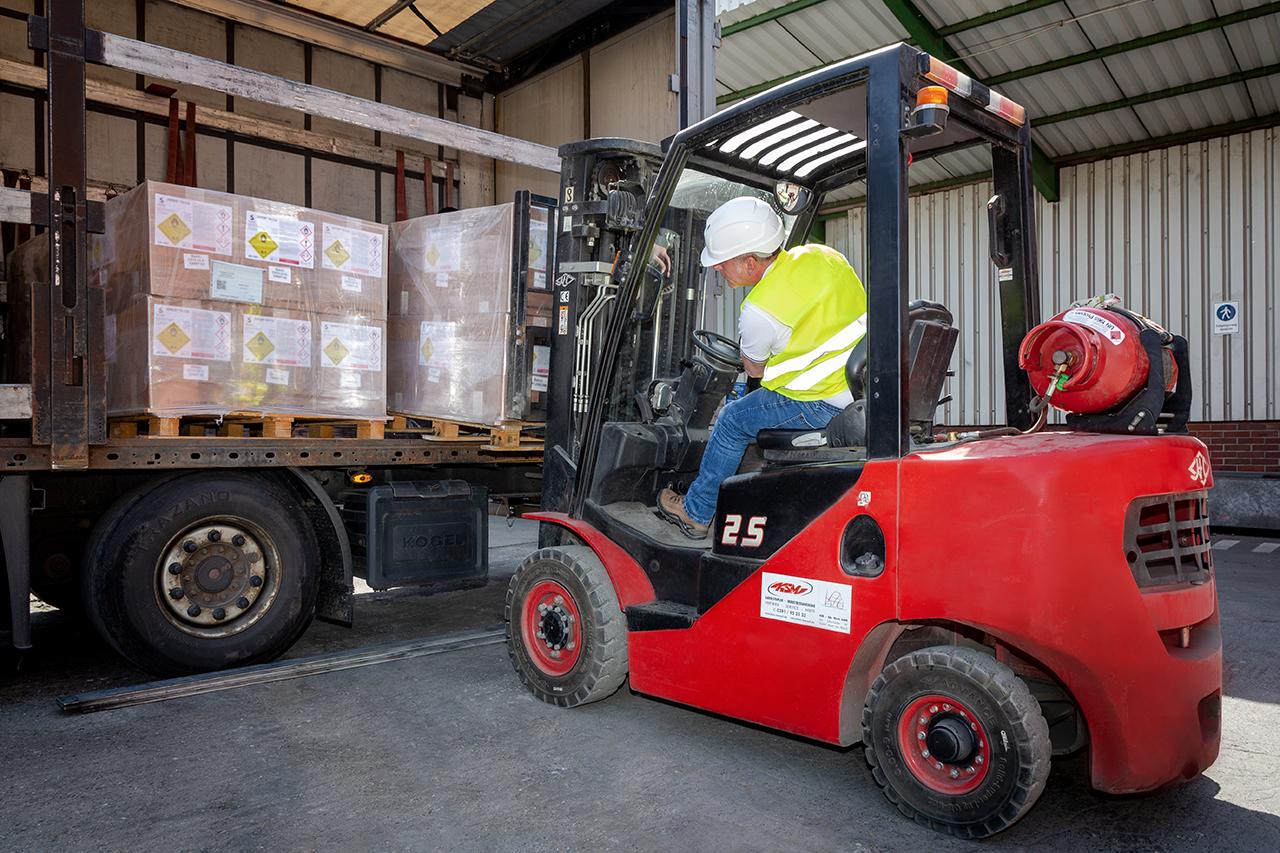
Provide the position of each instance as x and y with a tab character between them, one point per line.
1094	357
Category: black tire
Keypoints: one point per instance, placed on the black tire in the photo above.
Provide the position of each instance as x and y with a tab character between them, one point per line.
1012	764
599	634
125	576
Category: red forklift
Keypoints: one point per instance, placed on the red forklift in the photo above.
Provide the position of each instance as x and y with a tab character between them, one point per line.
965	605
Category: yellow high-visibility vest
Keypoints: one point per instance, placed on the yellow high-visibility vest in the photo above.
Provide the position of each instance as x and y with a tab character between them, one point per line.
813	290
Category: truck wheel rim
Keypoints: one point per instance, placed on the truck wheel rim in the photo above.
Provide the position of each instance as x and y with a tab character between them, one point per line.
552	628
960	755
218	577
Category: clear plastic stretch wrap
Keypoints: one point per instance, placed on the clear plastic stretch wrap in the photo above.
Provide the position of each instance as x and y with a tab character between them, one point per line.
450	317
219	303
26	267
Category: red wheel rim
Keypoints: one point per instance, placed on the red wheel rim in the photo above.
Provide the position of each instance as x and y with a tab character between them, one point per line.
552	628
922	717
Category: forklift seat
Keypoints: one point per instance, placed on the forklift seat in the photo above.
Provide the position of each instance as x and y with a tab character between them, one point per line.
932	340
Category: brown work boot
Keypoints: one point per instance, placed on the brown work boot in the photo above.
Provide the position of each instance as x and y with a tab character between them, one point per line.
671	505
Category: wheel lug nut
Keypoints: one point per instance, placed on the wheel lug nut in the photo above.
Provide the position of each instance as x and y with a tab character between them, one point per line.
188	546
970	770
542	608
255	581
559	599
570	645
175	568
176	593
242	602
955	774
237	540
937	765
219	613
215	535
924	753
923	720
919	735
933	709
979	759
193	610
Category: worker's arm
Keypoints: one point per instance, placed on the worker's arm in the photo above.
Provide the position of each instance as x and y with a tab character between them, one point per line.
761	335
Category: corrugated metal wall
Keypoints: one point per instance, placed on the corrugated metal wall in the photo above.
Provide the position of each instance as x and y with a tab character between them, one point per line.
1171	231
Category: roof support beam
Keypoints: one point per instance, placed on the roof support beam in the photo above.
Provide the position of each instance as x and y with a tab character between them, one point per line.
1043	172
771	15
1182	138
1133	44
1161	94
992	17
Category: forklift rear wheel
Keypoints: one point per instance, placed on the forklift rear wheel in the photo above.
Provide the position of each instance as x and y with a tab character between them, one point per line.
956	741
565	630
202	572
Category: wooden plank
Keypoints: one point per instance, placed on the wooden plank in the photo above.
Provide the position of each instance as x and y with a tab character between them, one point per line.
111	95
15	206
174	65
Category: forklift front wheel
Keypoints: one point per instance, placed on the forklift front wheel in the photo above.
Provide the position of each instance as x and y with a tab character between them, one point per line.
565	630
956	741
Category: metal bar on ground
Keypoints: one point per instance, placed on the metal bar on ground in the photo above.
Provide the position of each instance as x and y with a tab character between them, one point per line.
174	65
213	682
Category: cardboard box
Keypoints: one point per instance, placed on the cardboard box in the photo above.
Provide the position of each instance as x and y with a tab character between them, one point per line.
469	328
351	378
180	242
172	357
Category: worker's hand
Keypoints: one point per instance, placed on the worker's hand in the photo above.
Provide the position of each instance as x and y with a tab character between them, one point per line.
661	259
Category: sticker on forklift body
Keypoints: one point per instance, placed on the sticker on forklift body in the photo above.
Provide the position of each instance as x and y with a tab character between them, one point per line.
563	327
1097	322
804	601
1004	274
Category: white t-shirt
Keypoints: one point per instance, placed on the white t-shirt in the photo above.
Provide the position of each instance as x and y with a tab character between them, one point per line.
762	335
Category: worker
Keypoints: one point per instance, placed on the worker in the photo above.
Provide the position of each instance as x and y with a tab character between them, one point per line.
805	312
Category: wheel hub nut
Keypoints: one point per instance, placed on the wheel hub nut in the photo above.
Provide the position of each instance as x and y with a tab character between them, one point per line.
193	610
176	593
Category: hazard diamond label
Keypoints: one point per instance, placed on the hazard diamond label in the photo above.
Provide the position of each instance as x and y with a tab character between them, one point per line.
432	256
173	338
174	228
337	253
263	244
260	345
337	351
426	351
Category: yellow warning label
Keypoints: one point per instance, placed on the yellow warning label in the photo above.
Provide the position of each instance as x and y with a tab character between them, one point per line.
173	338
432	255
263	244
426	351
337	351
260	345
337	253
174	228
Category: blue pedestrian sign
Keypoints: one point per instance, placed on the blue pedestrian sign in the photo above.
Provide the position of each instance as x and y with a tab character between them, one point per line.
1226	318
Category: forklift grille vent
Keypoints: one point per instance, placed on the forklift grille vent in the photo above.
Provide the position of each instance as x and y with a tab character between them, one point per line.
1167	539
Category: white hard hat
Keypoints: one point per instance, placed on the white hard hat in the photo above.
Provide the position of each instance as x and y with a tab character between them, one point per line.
741	226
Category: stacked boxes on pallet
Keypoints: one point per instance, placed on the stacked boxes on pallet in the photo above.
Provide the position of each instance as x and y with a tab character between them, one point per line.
467	342
218	303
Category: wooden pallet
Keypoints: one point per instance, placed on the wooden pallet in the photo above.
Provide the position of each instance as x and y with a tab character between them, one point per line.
509	435
243	425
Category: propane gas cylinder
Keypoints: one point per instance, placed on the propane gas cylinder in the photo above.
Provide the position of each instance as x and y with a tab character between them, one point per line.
1093	357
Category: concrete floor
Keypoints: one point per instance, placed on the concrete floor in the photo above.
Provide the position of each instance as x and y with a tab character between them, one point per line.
449	752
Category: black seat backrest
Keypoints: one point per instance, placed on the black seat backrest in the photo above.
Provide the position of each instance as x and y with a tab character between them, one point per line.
932	341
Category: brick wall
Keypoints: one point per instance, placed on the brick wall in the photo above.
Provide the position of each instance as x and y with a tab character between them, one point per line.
1241	445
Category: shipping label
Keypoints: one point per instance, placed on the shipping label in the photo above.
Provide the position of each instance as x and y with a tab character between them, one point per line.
276	340
279	240
180	332
351	347
280	275
236	282
804	601
351	250
182	223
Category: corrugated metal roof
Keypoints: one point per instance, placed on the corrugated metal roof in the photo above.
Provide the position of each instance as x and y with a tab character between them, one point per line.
836	29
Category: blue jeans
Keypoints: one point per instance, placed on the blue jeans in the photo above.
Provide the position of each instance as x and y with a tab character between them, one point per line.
736	427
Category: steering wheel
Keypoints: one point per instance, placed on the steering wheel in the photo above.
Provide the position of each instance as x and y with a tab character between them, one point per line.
717	347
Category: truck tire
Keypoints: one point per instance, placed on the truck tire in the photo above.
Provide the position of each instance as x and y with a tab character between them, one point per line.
202	572
956	741
566	633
